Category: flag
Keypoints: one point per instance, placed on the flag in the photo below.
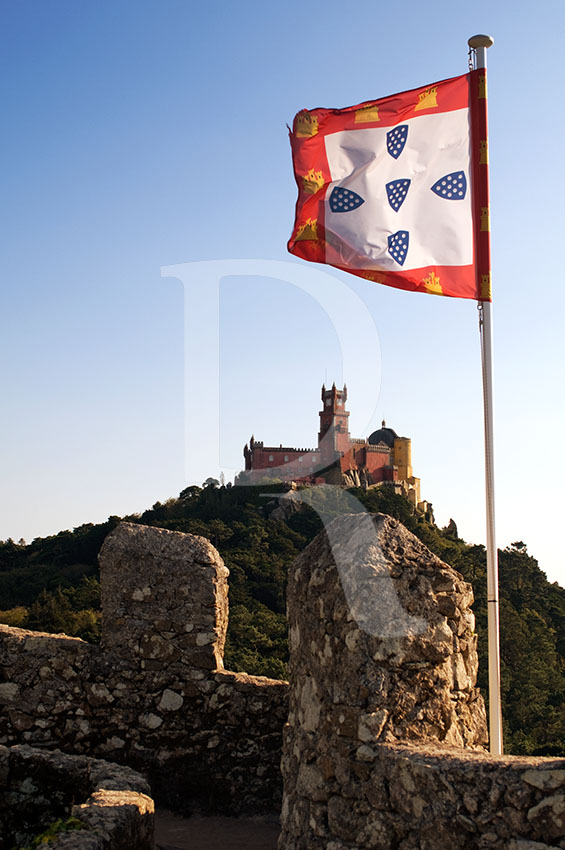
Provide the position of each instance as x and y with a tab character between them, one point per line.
396	190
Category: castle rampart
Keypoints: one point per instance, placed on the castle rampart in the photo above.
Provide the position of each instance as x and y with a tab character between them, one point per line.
155	695
383	746
384	742
112	803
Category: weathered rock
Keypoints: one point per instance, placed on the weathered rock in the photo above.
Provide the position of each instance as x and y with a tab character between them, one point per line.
548	816
155	695
383	673
413	676
547	780
382	654
147	573
37	788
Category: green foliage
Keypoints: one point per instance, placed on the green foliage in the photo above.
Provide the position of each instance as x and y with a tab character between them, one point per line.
385	500
54	831
257	641
532	635
73	611
52	585
532	631
50	562
80	546
15	617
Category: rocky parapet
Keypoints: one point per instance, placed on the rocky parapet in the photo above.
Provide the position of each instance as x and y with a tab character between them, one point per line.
381	636
164	598
155	695
109	806
384	744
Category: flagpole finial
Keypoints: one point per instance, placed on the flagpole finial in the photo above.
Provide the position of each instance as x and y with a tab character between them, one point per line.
480	41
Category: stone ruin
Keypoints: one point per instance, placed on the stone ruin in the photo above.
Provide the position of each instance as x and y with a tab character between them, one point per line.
154	695
384	740
36	788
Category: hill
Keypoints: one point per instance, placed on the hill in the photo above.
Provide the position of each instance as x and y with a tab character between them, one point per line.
52	584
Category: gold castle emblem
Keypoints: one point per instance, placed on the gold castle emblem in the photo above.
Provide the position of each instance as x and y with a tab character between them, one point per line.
427	99
483	153
485	218
432	285
367	115
486	289
482	87
313	181
306	125
308	231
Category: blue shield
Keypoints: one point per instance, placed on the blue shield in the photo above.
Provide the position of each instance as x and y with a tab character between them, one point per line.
344	200
396	139
452	187
396	193
398	246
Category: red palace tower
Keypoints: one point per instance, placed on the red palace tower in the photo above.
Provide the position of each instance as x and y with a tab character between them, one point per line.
383	457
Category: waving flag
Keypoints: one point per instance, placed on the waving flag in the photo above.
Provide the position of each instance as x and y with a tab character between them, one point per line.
396	190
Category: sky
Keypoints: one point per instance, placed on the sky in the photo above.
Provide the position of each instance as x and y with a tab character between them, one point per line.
138	136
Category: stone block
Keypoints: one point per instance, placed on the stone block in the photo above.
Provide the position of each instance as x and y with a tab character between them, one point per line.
392	756
147	573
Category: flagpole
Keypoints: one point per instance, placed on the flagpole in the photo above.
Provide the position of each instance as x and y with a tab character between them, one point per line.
480	44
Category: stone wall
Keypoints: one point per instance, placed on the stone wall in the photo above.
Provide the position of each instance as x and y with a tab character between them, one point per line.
384	745
164	600
154	695
37	788
384	742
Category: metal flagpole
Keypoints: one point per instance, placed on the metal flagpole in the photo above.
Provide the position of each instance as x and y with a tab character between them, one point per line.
480	44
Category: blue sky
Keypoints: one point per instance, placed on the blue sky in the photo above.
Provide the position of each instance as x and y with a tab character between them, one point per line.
141	135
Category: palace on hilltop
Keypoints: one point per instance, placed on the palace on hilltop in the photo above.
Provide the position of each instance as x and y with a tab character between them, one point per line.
383	458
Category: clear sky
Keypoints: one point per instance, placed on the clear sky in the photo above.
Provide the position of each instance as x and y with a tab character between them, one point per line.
138	135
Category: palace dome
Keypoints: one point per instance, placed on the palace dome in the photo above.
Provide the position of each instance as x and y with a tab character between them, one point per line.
383	435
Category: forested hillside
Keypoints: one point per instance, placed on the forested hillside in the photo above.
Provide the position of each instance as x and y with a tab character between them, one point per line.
52	585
